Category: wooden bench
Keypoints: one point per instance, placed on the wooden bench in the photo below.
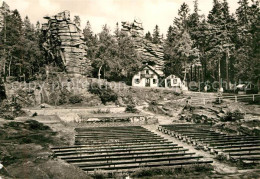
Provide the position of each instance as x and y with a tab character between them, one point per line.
86	159
169	160
149	165
125	154
55	149
122	152
83	151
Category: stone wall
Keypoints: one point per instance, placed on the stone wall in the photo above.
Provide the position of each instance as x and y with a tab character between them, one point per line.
64	41
150	53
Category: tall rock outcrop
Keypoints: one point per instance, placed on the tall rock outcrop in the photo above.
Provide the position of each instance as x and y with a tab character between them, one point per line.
64	42
150	53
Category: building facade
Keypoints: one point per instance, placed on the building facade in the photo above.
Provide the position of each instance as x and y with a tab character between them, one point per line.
147	77
173	81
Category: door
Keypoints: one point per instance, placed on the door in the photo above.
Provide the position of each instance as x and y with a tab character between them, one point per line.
147	82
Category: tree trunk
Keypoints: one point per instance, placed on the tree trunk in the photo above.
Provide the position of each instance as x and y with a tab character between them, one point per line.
219	75
9	68
227	71
184	79
191	73
4	46
99	70
4	66
195	73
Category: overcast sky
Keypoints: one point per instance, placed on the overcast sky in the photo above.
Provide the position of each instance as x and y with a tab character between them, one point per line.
100	12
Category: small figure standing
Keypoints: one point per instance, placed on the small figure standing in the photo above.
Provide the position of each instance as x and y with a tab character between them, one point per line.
205	88
219	98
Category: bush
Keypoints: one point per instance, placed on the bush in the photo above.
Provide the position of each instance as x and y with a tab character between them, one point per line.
105	93
35	125
233	116
8	117
100	111
59	97
9	110
154	102
2	91
131	109
183	172
145	172
35	114
75	99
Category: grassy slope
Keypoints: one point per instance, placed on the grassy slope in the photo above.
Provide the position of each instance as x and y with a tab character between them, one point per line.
25	152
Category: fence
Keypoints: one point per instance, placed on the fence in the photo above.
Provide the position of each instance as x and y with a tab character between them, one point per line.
236	98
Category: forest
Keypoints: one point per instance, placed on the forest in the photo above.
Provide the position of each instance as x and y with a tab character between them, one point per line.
219	45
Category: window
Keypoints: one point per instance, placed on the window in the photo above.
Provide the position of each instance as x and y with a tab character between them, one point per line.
174	81
147	72
154	81
169	83
137	81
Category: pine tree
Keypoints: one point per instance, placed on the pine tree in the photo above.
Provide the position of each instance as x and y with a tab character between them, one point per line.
156	35
179	50
220	43
33	54
117	31
11	48
91	41
148	36
129	60
247	63
169	53
87	33
243	12
181	22
24	56
106	53
194	22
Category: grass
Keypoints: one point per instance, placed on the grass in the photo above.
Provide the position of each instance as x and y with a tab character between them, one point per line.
100	111
29	132
183	172
25	152
236	163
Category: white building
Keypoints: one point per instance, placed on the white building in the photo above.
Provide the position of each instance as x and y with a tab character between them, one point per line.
173	81
147	77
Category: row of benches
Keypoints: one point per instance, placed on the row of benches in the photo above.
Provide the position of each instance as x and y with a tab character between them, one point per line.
236	147
113	149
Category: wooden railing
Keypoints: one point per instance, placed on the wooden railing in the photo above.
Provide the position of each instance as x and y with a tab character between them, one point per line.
236	98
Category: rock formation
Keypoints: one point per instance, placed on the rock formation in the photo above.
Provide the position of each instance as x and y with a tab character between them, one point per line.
3	11
64	41
150	53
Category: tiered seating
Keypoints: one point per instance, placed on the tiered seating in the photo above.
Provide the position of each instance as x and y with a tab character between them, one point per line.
128	148
236	147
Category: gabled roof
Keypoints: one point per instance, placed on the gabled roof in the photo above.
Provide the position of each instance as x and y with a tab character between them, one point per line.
171	77
157	72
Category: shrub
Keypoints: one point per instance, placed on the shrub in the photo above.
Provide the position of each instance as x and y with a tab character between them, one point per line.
59	97
75	99
105	93
154	102
100	111
146	172
35	114
9	110
35	125
233	116
131	108
8	117
183	172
